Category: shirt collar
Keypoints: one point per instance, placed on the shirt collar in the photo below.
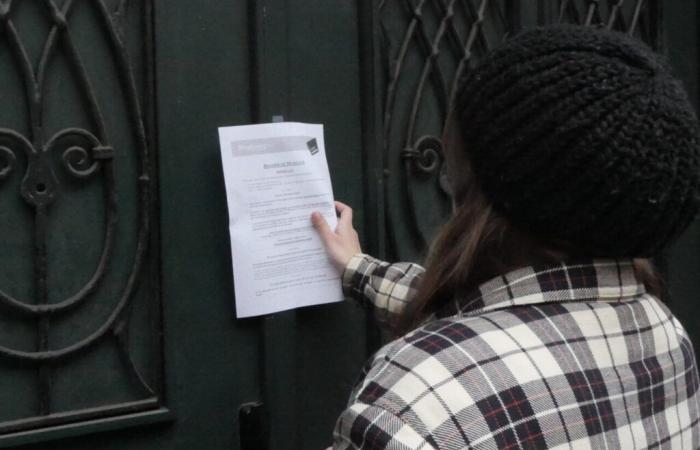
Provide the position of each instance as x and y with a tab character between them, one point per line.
607	280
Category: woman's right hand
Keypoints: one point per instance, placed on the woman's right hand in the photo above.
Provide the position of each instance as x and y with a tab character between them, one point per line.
342	243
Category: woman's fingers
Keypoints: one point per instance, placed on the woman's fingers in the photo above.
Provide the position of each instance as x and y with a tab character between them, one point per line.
345	220
340	206
341	243
319	222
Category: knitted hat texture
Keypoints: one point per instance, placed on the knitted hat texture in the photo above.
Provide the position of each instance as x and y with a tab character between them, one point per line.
583	136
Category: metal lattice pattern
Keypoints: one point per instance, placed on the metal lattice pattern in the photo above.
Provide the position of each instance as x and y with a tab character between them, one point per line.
84	154
427	47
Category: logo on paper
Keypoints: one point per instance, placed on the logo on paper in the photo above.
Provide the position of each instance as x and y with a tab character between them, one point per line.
313	146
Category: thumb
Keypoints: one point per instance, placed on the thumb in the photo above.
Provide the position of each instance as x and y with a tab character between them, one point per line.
321	226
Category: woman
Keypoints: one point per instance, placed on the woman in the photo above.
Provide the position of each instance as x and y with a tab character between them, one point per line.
573	155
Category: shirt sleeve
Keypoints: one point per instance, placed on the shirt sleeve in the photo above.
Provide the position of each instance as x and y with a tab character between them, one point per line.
385	286
370	427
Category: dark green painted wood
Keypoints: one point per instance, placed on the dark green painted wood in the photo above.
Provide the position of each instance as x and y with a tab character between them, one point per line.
270	90
94	382
202	75
682	42
225	62
374	226
308	71
53	434
301	364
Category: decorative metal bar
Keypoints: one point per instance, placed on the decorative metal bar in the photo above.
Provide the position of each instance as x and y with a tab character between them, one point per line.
428	68
445	9
84	154
121	333
635	17
614	14
40	272
22	58
562	10
77	416
8	164
477	15
474	30
592	8
415	138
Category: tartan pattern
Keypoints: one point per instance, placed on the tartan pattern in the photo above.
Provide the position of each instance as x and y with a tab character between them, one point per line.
576	356
385	286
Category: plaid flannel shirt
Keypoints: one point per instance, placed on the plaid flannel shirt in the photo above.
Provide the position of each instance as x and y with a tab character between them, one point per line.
576	356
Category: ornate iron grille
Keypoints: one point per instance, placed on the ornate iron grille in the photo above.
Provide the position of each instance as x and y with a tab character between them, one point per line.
426	48
77	192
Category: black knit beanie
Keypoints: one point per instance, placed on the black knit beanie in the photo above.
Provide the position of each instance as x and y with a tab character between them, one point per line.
583	136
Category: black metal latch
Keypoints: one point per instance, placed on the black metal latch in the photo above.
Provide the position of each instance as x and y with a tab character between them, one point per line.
252	418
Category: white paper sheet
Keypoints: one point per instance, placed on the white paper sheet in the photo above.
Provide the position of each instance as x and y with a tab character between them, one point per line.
276	175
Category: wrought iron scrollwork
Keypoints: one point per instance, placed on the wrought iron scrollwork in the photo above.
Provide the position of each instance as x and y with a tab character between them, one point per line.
8	161
428	46
9	141
425	155
83	154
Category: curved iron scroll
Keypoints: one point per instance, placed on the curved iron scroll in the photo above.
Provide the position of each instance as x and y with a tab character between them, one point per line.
427	47
83	154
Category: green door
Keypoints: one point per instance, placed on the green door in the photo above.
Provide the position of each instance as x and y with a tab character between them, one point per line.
117	320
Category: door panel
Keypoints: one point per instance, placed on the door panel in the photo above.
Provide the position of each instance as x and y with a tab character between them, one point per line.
211	360
222	63
305	56
81	321
176	357
425	50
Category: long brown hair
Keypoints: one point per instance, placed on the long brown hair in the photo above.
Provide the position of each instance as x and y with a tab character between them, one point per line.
478	244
